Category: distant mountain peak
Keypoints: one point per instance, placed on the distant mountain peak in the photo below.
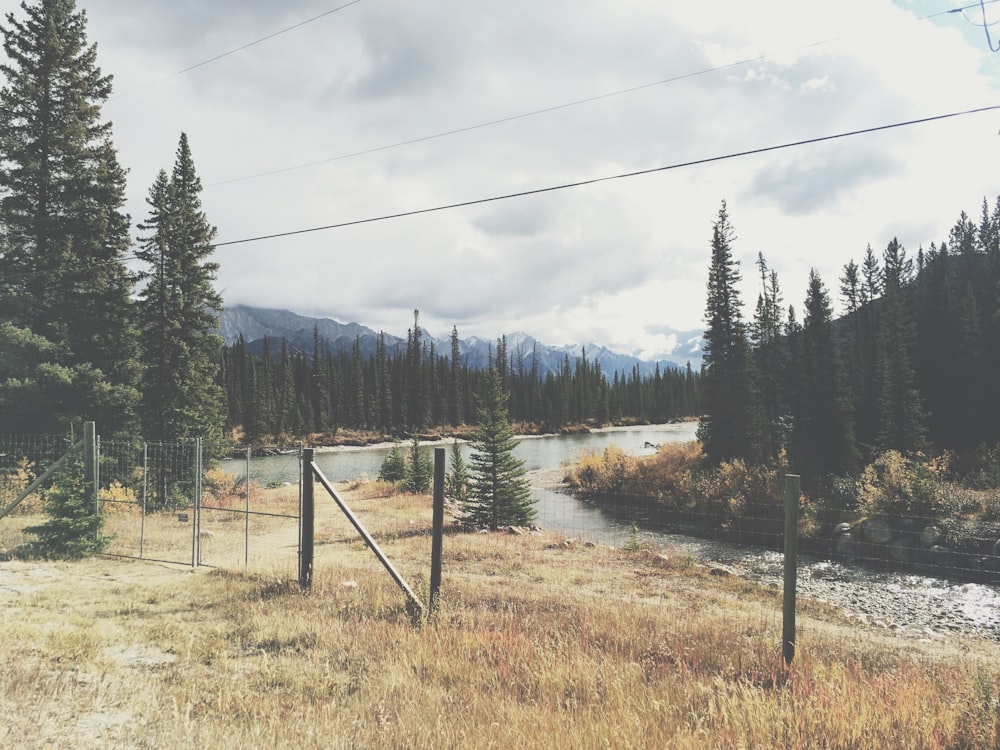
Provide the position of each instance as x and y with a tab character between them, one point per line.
255	324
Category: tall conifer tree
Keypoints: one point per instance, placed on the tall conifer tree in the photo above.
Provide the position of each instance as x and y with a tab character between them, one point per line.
499	493
727	429
62	229
178	310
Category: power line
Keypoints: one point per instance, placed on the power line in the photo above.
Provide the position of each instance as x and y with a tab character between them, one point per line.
510	118
545	110
238	49
624	175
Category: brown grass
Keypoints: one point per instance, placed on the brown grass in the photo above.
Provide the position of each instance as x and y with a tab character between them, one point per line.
538	643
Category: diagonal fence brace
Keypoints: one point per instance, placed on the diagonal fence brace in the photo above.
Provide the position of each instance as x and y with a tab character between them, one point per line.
415	605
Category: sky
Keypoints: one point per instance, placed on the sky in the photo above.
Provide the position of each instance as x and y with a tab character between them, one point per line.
352	114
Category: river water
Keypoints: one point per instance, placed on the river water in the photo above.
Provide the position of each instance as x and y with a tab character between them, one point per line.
916	605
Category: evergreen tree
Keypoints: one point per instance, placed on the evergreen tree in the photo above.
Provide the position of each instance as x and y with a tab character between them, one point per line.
178	310
456	484
823	435
393	468
63	230
455	411
420	471
900	408
499	493
765	333
74	527
727	430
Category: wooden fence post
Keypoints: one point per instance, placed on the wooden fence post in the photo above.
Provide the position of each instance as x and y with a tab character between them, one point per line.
791	564
437	529
308	520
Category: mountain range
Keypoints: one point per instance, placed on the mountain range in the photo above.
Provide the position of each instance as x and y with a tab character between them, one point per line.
255	324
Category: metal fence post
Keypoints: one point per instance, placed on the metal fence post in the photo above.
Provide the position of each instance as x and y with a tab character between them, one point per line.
791	563
90	460
437	529
308	514
197	497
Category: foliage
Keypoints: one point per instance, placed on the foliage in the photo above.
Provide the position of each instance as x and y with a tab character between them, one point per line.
74	528
66	294
896	484
14	483
499	493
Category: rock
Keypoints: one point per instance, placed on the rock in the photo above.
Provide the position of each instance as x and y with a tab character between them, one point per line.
940	556
930	536
847	546
903	548
877	530
515	530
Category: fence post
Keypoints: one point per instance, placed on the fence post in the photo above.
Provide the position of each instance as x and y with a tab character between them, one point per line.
197	499
437	529
308	523
791	563
90	460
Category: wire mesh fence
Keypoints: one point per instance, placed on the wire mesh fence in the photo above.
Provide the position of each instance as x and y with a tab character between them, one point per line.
178	502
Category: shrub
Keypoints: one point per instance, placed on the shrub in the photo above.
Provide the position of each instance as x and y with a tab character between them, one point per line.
14	483
898	485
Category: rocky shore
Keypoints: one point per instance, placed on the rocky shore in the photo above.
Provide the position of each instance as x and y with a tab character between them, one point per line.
864	579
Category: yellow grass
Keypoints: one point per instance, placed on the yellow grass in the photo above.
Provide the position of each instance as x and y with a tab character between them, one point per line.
538	643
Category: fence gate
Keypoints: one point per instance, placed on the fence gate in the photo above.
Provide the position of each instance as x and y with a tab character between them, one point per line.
200	504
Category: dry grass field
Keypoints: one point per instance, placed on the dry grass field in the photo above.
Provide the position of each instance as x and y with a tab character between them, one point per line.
539	642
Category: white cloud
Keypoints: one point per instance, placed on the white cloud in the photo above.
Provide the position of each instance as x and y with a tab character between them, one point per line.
607	263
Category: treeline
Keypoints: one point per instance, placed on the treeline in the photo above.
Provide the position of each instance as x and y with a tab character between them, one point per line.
912	366
400	390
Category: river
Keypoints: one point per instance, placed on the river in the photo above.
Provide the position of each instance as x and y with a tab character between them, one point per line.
916	605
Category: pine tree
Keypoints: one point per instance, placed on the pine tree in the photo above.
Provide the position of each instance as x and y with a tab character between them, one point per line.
64	232
823	435
499	493
178	310
420	469
727	429
900	409
456	484
74	527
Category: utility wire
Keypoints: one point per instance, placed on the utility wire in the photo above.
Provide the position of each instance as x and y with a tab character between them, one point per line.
595	180
241	48
986	28
545	110
510	118
565	186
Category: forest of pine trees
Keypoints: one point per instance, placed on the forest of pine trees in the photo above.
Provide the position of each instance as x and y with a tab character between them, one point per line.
402	390
912	365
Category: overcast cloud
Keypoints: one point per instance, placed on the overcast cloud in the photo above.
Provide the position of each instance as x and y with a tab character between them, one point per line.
616	263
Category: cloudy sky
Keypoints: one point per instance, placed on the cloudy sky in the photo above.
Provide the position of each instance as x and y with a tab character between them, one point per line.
309	128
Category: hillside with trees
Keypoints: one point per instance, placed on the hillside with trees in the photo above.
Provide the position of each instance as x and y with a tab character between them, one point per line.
912	366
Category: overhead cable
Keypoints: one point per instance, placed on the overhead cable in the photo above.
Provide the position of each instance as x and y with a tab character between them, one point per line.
239	49
608	178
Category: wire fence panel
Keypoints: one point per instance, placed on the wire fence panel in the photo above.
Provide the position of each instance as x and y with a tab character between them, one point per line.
198	504
248	516
23	458
147	493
